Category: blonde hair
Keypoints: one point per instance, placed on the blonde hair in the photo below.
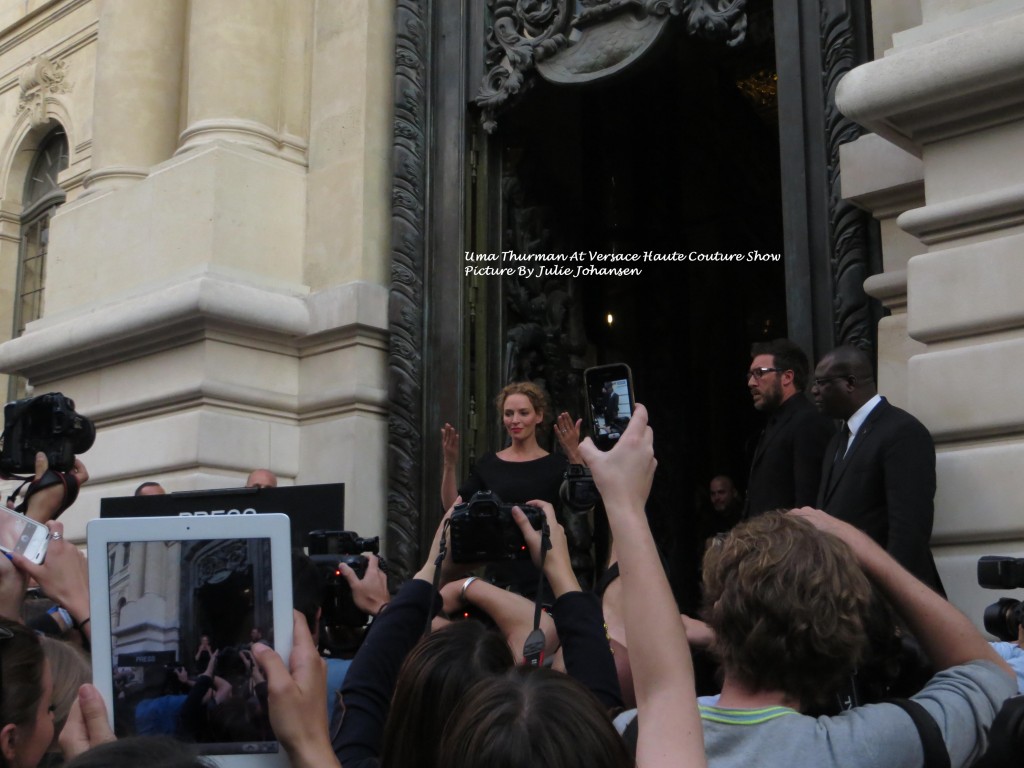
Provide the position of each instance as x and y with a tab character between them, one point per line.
69	668
537	396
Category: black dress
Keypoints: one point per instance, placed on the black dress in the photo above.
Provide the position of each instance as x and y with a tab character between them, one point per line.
516	482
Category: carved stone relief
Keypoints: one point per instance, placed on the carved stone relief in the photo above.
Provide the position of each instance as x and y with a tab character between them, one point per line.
405	320
853	312
40	78
603	37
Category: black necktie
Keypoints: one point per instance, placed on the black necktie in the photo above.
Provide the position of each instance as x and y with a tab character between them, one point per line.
844	441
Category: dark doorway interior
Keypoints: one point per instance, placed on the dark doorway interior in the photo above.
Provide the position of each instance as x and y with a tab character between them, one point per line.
678	154
224	609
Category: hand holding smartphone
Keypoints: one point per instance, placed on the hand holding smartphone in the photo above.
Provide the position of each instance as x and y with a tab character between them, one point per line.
23	535
610	402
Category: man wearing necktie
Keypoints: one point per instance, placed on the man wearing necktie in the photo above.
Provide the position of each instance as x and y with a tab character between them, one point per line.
879	470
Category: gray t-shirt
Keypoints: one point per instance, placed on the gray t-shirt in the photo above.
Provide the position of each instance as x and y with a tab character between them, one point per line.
963	701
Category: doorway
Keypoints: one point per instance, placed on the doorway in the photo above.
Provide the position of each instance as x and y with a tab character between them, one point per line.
675	158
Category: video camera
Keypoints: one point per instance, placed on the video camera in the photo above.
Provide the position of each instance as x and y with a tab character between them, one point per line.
326	550
483	530
1004	617
46	423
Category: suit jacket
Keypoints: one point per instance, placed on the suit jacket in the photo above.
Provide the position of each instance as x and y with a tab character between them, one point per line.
886	487
786	467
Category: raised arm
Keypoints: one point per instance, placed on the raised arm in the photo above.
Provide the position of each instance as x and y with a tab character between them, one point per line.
63	576
670	729
450	450
296	698
585	648
512	613
568	433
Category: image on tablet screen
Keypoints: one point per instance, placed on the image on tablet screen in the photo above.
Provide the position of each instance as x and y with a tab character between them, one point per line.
184	615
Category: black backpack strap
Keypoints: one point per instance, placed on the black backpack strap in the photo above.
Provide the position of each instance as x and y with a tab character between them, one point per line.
935	753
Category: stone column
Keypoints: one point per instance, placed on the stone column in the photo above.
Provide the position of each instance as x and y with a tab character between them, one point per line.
951	93
138	89
234	73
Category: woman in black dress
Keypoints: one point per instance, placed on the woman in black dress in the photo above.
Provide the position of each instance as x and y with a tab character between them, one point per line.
523	471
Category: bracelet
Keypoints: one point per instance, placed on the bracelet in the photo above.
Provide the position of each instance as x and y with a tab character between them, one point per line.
78	625
381	609
465	586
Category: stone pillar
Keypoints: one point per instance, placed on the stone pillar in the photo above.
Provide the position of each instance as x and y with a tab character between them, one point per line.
234	73
951	92
138	89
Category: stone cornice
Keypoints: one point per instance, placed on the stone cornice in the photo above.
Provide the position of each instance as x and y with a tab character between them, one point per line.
956	85
188	310
971	215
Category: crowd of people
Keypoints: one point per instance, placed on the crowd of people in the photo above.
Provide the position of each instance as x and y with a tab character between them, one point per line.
834	641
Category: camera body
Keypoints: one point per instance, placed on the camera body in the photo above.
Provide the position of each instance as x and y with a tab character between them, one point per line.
483	530
326	550
46	423
579	492
1004	617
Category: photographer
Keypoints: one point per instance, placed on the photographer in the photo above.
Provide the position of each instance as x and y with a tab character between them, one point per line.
787	598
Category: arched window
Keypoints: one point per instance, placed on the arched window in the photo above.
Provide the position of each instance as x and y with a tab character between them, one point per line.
41	198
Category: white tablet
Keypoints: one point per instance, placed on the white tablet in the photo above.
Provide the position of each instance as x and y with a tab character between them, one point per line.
158	587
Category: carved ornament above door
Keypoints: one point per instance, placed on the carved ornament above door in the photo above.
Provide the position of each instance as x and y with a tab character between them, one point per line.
580	41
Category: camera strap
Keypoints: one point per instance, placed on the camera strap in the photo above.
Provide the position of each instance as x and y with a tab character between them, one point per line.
533	648
935	753
50	477
442	550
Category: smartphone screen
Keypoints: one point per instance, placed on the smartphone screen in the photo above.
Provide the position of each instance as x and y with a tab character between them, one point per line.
610	402
22	535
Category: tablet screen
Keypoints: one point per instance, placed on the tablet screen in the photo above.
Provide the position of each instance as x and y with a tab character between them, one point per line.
184	614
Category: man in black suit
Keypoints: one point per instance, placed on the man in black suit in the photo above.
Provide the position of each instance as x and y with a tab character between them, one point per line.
786	466
879	470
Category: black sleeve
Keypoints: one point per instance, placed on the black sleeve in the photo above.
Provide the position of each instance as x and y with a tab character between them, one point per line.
370	682
192	720
585	648
809	444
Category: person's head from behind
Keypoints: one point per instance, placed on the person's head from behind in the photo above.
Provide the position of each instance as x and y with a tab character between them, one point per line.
531	717
26	694
150	751
70	668
788	604
433	678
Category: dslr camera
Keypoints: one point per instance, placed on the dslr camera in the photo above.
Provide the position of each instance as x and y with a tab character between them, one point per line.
483	530
326	550
578	491
46	423
1004	617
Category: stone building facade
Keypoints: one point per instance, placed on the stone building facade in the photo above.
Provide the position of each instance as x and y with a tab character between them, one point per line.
942	173
216	281
238	208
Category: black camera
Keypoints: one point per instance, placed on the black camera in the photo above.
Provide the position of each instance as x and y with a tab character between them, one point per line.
578	491
483	530
1004	617
326	550
46	423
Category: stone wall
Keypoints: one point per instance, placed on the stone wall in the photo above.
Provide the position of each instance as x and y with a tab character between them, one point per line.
216	283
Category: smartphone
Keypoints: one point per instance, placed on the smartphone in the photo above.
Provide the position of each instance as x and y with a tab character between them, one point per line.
610	402
23	535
